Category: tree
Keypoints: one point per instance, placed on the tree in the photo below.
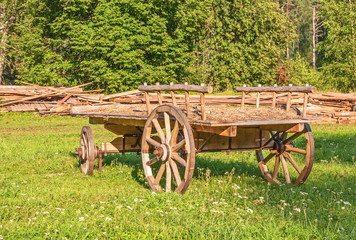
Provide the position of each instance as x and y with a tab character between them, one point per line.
339	47
239	42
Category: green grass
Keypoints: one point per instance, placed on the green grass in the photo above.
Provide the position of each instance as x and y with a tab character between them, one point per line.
43	195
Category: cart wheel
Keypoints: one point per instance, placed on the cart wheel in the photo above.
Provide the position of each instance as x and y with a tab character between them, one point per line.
168	150
86	151
292	153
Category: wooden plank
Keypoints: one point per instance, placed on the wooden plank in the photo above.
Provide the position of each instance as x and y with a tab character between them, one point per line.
306	89
122	94
223	131
176	87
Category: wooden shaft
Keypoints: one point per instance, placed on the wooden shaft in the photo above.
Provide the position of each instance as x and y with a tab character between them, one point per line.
258	99
243	99
160	99
288	101
148	105
202	104
274	99
174	100
176	87
187	103
305	89
305	104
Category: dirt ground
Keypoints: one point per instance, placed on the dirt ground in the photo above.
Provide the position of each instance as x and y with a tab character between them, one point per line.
222	113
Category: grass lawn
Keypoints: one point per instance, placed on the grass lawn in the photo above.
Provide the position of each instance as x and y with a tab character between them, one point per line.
43	195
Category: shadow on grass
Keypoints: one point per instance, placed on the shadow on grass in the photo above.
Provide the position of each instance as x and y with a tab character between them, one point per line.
202	163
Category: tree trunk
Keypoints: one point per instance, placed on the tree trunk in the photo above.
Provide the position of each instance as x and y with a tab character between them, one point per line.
314	37
4	27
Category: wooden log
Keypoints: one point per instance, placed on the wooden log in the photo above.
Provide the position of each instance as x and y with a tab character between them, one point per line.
306	89
148	104
202	104
187	103
176	87
122	94
305	103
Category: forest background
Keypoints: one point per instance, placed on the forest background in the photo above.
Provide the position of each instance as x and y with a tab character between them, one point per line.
119	44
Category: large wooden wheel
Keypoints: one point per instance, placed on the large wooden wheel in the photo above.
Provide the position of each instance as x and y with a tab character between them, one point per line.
86	151
168	150
291	159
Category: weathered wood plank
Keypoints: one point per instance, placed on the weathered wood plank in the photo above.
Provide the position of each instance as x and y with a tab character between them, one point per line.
176	87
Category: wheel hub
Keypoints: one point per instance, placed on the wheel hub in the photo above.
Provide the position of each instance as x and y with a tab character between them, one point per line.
279	146
163	152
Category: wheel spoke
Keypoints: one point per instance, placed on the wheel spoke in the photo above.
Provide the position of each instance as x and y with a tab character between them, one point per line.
284	135
276	167
291	160
174	135
152	161
268	157
294	149
159	174
175	172
168	177
178	146
285	169
159	130
292	138
167	125
179	159
153	142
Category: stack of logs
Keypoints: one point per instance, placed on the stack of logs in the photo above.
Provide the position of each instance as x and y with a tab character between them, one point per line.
329	107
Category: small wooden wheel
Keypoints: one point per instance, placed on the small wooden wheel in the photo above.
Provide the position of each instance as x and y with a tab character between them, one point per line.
168	150
291	152
86	151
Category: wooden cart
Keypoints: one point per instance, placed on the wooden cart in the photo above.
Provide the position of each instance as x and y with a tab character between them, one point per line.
169	135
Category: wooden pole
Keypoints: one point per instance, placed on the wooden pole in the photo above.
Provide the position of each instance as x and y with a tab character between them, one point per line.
173	95
202	104
243	98
258	98
147	99
306	96
187	102
289	100
274	98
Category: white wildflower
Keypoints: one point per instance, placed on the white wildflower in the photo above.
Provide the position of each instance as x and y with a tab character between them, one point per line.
297	209
236	186
304	193
129	208
108	219
81	219
249	210
45	212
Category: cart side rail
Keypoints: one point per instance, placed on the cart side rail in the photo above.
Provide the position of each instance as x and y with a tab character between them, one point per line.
278	89
172	88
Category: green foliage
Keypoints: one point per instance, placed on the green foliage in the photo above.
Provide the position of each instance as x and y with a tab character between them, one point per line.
301	73
119	44
239	42
339	48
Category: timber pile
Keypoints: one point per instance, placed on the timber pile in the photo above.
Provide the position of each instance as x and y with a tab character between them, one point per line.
329	107
32	97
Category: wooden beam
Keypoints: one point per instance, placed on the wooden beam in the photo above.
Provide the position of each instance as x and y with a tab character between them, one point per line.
176	87
305	89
